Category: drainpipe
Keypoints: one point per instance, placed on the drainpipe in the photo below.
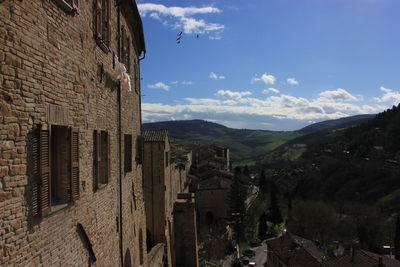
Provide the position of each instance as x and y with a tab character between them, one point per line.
121	235
140	95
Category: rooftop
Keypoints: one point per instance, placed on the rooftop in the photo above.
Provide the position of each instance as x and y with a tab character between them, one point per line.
155	135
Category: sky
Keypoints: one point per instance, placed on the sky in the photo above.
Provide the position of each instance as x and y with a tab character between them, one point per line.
269	64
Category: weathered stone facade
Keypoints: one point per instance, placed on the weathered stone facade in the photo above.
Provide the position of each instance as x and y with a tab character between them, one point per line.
212	202
185	231
54	75
165	175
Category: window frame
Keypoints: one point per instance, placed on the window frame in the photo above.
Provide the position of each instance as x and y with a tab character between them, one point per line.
125	49
102	24
44	193
101	159
128	153
69	6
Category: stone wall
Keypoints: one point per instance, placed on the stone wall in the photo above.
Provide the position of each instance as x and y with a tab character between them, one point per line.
186	251
164	179
50	61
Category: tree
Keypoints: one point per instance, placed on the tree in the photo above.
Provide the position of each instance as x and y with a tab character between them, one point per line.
262	226
246	171
397	240
263	182
237	209
275	213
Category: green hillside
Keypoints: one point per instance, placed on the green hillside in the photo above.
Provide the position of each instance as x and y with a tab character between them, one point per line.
311	135
245	145
360	165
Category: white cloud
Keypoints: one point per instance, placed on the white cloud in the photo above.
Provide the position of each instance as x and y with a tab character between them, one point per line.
182	17
187	83
292	81
266	78
203	101
182	82
154	15
159	85
337	95
274	90
389	95
283	107
231	94
214	76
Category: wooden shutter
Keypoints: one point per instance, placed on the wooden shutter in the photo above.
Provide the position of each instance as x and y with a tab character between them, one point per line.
108	24
74	163
98	20
139	150
128	61
96	157
45	171
123	45
35	174
108	158
128	153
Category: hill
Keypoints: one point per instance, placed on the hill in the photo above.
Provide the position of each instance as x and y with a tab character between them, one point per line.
313	134
323	125
360	165
245	145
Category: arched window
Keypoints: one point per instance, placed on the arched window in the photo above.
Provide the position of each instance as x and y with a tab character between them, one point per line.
148	240
141	251
127	258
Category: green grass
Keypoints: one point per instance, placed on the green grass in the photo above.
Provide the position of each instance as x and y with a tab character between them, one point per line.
248	163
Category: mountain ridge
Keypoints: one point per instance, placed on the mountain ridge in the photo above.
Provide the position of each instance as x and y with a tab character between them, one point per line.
246	145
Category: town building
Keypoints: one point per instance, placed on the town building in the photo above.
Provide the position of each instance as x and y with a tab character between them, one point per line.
212	200
360	257
71	165
170	214
290	250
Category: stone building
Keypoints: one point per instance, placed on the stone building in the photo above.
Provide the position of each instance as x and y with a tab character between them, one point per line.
165	176
212	200
215	156
70	165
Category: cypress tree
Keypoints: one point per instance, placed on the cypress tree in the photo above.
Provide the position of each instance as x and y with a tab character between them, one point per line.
237	197
275	213
246	171
263	182
262	226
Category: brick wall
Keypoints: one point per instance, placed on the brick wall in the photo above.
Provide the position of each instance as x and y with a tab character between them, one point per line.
48	56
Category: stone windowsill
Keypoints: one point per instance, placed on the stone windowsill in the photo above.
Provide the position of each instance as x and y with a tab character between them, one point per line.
65	6
56	208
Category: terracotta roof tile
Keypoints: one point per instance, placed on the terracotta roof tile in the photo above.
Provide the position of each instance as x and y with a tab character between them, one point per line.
362	258
295	252
155	135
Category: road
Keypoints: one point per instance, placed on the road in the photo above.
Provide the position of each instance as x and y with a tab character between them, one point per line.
261	255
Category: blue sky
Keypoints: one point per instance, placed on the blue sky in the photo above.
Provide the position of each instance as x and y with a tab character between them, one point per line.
269	64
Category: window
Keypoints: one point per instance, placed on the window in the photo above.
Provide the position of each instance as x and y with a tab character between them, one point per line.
102	25
128	153
101	159
166	159
139	149
125	49
141	250
70	6
58	167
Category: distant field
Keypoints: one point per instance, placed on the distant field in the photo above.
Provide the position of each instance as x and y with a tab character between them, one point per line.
245	145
